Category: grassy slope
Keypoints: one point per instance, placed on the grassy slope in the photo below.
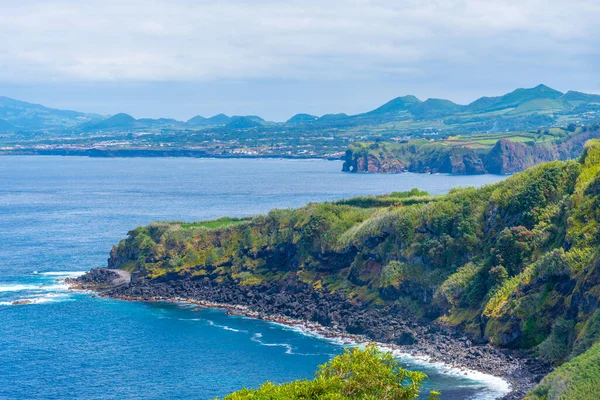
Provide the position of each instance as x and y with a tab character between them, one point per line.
576	379
480	142
514	262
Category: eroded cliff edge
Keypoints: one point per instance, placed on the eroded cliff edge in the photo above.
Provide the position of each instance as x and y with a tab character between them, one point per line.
473	275
506	156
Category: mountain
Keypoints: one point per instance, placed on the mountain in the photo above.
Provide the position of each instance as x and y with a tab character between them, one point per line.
117	121
573	96
394	110
198	120
216	120
435	108
238	122
404	103
219	119
29	116
520	110
161	122
514	99
302	119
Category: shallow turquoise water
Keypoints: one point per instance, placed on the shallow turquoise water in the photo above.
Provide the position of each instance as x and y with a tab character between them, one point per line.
59	215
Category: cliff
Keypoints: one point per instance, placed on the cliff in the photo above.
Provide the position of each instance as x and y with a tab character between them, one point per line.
515	264
506	156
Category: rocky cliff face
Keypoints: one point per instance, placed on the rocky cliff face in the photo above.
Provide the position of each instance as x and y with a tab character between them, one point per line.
371	163
506	157
514	264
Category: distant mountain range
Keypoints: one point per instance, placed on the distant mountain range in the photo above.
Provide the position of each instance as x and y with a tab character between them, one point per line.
520	109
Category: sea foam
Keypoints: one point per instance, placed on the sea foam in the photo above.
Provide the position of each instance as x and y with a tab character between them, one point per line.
257	339
17	287
62	274
48	298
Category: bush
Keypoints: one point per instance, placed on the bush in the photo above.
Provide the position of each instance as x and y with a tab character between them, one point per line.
556	346
451	291
355	374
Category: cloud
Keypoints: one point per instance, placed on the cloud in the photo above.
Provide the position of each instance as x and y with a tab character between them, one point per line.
187	40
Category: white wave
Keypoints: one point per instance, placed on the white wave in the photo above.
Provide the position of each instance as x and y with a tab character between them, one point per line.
256	338
225	327
62	274
58	287
305	331
496	386
19	287
211	323
49	298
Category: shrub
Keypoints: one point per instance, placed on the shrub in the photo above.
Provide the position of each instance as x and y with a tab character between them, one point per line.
355	374
452	289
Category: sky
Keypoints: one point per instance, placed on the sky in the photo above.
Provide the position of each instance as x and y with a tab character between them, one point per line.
180	58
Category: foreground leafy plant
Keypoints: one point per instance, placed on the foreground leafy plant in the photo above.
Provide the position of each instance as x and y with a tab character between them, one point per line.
356	374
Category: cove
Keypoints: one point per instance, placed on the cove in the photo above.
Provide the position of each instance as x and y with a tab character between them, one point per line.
62	215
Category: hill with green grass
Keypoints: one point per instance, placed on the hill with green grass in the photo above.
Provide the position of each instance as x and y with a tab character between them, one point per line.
521	109
23	116
515	264
35	129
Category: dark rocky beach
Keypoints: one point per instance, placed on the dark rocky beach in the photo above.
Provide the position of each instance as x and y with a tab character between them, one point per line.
333	316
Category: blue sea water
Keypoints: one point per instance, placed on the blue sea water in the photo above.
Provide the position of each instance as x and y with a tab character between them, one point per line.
61	215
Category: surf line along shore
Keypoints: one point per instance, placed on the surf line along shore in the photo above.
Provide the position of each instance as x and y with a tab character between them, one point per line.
444	348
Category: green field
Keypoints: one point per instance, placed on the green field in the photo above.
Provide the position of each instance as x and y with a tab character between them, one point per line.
217	223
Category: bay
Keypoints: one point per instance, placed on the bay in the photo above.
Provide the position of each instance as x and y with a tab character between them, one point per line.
61	215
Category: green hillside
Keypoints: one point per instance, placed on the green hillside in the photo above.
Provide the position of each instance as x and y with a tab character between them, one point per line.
34	129
576	379
514	263
22	115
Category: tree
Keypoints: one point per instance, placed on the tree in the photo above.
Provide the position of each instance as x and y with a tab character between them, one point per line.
356	374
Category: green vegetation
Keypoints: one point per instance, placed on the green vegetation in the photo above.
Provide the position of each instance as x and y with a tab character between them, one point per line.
576	379
356	374
217	223
27	128
515	263
497	153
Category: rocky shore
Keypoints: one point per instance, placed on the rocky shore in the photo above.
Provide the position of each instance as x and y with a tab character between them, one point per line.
334	316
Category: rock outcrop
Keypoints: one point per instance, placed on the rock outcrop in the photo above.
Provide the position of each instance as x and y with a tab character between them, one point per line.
505	157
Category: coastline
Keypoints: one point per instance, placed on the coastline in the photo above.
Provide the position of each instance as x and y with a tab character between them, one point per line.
507	371
144	153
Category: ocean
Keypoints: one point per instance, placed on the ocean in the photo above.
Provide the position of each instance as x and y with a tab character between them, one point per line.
60	216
